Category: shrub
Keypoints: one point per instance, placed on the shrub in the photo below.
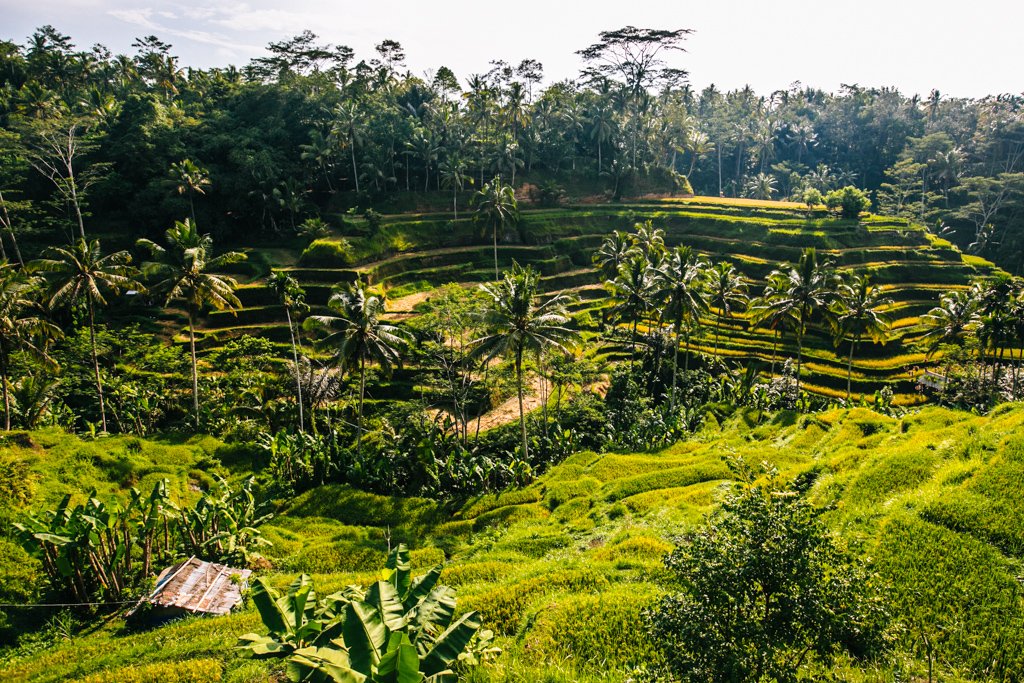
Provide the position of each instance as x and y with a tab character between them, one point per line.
328	253
762	583
849	201
187	671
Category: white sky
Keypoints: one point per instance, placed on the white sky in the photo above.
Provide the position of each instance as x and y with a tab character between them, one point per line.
964	49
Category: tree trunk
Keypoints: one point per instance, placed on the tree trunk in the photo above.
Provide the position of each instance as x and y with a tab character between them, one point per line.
719	169
849	369
355	172
195	371
295	359
74	200
799	357
675	363
522	415
96	366
495	252
192	207
3	379
775	348
362	396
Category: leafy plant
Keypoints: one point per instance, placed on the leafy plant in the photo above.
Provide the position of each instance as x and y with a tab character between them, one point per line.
399	629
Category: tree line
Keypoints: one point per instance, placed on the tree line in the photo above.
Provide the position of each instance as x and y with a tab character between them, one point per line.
311	130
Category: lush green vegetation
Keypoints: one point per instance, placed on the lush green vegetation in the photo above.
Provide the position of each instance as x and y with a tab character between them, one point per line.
488	338
562	570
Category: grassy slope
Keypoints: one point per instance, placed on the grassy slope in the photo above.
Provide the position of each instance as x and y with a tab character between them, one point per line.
417	252
562	568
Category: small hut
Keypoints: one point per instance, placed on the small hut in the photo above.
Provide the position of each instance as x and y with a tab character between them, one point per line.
197	587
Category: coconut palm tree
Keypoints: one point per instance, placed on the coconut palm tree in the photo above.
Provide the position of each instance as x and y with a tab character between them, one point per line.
183	271
292	297
679	287
190	179
949	323
20	326
357	335
80	272
806	288
726	289
856	314
350	131
518	324
496	206
631	290
453	176
616	249
650	240
763	310
320	151
761	186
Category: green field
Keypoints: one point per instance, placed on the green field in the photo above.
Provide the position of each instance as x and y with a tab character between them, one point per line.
561	569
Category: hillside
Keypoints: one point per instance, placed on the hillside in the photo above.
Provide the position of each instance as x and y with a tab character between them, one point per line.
411	255
561	569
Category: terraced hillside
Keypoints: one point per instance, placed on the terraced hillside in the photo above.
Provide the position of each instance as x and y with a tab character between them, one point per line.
412	254
562	569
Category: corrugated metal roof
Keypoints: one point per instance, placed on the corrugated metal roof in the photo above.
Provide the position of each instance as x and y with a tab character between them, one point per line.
199	587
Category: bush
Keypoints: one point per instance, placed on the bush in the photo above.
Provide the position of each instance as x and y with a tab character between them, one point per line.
763	585
188	671
328	253
850	201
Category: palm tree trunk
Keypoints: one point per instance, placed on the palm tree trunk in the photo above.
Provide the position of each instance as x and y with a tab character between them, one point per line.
675	364
686	363
192	207
3	379
362	397
495	232
522	414
355	173
849	369
718	331
295	358
78	209
195	371
799	357
96	366
775	348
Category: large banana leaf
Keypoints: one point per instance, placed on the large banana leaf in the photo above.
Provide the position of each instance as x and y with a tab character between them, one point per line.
322	664
401	574
364	634
401	662
450	643
266	600
421	586
384	597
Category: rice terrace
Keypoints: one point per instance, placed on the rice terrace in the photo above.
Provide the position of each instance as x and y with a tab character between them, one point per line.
328	368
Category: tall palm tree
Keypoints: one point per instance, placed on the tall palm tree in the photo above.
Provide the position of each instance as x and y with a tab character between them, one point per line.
81	272
856	314
358	334
764	310
726	289
350	131
190	179
949	323
320	151
292	297
183	271
631	290
19	326
616	249
496	206
679	287
517	324
453	176
808	288
650	240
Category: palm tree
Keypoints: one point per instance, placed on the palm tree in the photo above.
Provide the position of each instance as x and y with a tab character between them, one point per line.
764	310
19	325
495	206
319	151
949	323
453	175
761	186
517	324
650	240
725	289
349	129
631	289
291	296
81	272
616	249
358	334
183	272
807	287
679	286
191	179
856	314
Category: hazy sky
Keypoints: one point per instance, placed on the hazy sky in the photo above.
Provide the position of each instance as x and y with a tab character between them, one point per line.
965	49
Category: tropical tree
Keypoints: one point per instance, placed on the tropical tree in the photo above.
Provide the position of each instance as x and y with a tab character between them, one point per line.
453	176
517	324
496	206
761	186
614	251
20	326
805	289
856	313
631	290
358	334
80	272
183	271
190	179
726	289
763	310
680	287
950	322
293	298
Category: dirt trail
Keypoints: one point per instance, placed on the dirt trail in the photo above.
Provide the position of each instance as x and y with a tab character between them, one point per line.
508	411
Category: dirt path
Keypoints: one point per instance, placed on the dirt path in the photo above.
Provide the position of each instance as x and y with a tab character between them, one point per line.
508	411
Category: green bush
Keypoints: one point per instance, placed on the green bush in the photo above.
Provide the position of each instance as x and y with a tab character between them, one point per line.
185	671
334	252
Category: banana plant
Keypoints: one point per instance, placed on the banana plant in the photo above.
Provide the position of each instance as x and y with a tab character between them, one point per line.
399	630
